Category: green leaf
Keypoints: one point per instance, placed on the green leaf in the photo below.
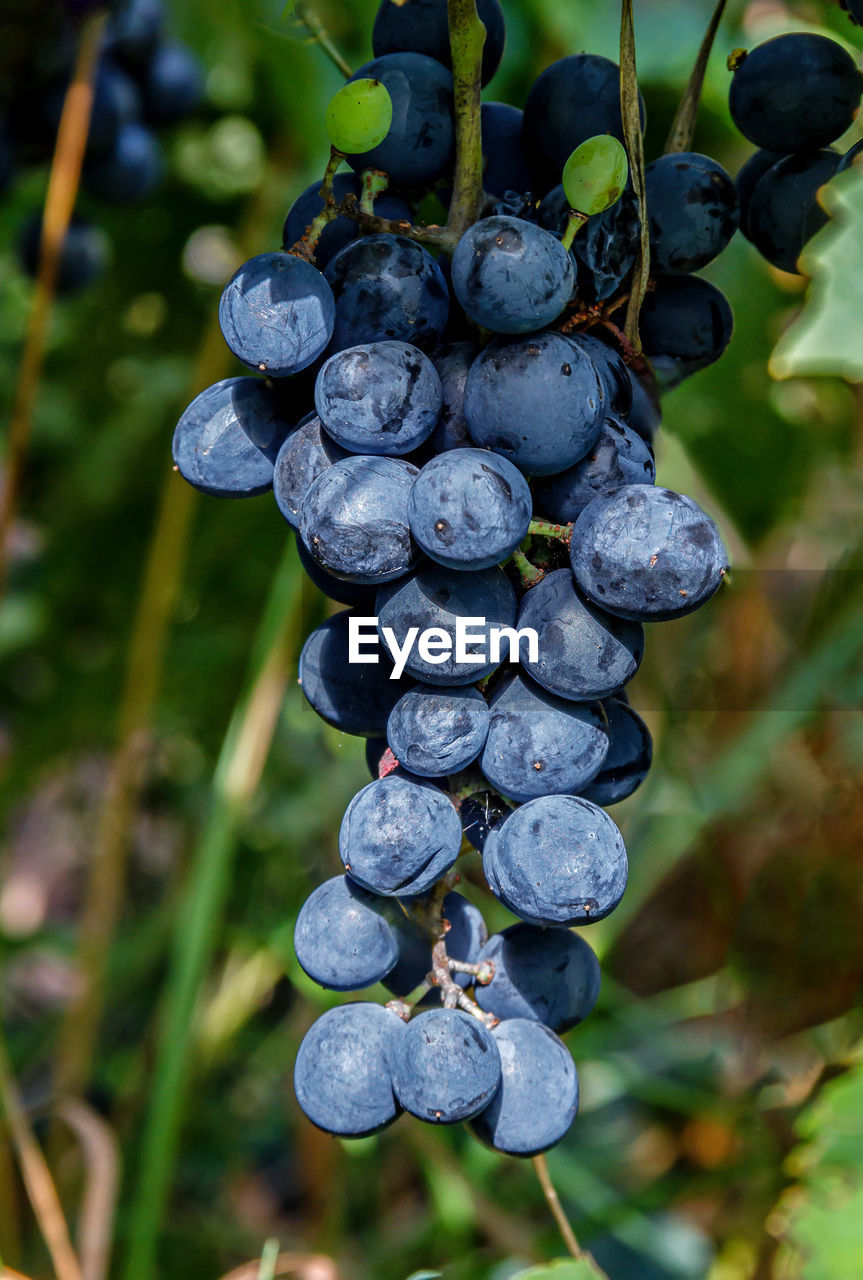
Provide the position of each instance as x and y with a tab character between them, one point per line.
826	336
425	1275
564	1269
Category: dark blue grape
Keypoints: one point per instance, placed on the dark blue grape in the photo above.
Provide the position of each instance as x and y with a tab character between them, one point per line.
536	401
480	814
399	835
84	256
306	453
647	553
584	652
276	314
645	415
686	324
355	698
116	102
784	213
446	1067
133	31
851	156
375	750
511	276
354	519
611	369
452	362
572	100
341	939
421	142
434	597
381	398
546	975
465	939
387	287
619	456
539	744
354	594
538	1095
436	731
606	246
173	85
630	752
421	26
132	171
343	1072
767	103
342	230
557	860
749	177
469	509
693	210
506	163
227	439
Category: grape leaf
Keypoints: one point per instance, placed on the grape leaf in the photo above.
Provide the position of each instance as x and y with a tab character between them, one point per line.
825	337
564	1269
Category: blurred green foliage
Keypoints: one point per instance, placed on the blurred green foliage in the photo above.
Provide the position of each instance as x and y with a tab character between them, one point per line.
732	971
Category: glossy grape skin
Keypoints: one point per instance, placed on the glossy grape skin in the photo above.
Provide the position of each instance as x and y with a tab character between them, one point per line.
452	361
693	209
173	85
277	313
306	453
342	1075
469	509
354	519
539	744
342	230
354	698
506	163
421	142
547	975
84	256
618	456
227	439
647	553
132	171
421	26
630	752
435	731
434	597
766	101
584	652
380	398
576	869
784	212
387	287
686	324
465	939
574	99
536	401
341	939
399	835
611	370
511	276
748	178
446	1067
605	247
538	1096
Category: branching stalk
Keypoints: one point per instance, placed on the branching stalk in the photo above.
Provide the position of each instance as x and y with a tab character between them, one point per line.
683	128
467	40
528	573
546	529
375	183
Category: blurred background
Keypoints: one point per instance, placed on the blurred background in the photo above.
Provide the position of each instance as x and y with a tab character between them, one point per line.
169	800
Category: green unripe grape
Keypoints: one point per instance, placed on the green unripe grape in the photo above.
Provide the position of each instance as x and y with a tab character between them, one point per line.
594	176
359	116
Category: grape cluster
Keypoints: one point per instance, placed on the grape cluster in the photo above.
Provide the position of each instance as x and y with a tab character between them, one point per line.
793	96
461	441
145	80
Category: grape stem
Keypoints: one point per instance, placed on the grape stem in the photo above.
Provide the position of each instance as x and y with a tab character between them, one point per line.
540	1165
683	127
528	573
318	33
545	529
375	183
467	40
574	223
307	244
631	112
